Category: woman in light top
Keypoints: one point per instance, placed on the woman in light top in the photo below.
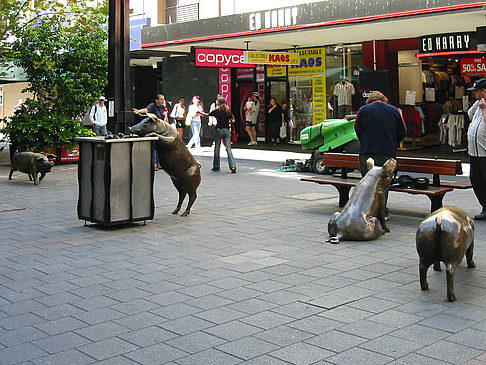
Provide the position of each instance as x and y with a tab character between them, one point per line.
195	111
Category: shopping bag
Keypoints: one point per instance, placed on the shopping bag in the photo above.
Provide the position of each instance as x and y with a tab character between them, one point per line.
189	119
283	130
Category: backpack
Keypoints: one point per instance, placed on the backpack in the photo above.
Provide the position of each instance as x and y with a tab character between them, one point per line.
86	121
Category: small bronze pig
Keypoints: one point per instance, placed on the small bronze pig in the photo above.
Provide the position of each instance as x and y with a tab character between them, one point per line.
445	235
32	164
174	158
363	216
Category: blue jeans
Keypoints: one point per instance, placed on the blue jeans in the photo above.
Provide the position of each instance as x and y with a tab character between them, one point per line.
225	135
100	130
195	139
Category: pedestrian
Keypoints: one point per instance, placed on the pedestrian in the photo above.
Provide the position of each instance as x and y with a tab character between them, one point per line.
252	107
224	118
178	115
99	117
159	108
380	128
276	118
194	113
19	108
476	145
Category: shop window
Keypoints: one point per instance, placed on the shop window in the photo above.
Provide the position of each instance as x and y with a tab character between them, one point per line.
176	13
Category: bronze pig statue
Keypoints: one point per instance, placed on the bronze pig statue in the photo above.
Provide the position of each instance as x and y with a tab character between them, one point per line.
445	235
32	164
174	158
363	216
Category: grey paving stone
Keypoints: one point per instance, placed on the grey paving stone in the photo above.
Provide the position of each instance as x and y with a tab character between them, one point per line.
414	359
298	310
421	308
60	298
420	334
238	294
71	357
301	354
253	305
102	331
186	325
209	302
283	335
22	320
447	323
119	360
233	330
20	353
336	341
391	346
129	294
467	311
99	315
266	320
220	315
105	349
451	352
95	302
140	320
175	311
372	304
20	335
282	297
268	286
26	306
148	336
345	314
469	337
247	348
195	342
63	342
359	356
168	298
266	360
61	325
366	328
395	318
134	306
315	324
209	357
156	354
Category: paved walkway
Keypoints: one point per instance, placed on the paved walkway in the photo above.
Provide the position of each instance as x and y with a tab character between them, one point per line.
246	278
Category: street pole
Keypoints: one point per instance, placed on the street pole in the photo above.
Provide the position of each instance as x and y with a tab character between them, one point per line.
118	95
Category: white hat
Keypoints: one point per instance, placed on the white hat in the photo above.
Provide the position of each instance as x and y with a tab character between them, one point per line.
102	98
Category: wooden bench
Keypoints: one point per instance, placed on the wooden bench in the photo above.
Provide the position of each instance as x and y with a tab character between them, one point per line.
434	191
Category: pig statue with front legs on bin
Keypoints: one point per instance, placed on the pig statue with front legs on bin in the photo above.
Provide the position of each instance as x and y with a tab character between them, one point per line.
174	158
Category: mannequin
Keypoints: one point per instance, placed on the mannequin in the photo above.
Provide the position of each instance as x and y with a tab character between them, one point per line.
344	92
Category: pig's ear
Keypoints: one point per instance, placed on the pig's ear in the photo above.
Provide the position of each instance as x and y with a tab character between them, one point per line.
152	116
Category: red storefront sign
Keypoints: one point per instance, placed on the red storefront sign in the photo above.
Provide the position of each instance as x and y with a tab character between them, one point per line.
212	57
473	66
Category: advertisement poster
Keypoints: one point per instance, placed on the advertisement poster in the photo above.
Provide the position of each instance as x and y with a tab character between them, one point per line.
410	97
319	107
276	71
312	61
473	66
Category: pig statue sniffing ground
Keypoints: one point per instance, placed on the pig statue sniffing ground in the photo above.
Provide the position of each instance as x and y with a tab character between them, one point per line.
174	158
445	235
32	164
363	216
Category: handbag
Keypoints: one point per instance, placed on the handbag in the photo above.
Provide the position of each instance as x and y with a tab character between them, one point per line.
189	119
283	130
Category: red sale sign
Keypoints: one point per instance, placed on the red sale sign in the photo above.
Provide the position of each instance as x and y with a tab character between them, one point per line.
213	57
473	66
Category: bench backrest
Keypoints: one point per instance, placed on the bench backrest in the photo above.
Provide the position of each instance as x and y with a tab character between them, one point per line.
405	164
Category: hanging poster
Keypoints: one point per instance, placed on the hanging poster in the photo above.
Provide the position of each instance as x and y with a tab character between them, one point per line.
276	71
429	94
410	97
312	61
319	107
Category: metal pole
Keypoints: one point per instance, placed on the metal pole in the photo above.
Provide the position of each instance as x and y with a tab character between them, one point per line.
118	95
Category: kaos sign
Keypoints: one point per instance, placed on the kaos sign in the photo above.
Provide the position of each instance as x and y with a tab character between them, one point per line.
209	57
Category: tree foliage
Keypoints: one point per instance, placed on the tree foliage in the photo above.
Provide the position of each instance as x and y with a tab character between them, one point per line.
64	54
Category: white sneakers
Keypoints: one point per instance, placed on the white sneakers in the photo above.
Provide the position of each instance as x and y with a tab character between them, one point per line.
253	143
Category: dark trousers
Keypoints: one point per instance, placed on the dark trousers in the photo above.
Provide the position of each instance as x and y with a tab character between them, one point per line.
379	161
477	175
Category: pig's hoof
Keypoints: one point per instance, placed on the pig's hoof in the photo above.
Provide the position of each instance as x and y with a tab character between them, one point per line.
451	297
175	211
333	240
425	286
387	230
185	214
471	264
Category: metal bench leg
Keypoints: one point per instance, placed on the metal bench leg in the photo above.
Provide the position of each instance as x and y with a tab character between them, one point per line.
436	202
343	194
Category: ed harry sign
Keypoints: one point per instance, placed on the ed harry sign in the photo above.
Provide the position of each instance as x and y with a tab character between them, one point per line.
271	58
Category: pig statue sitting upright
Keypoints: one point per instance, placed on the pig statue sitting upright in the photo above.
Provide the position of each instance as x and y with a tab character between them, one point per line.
363	216
174	158
32	164
445	235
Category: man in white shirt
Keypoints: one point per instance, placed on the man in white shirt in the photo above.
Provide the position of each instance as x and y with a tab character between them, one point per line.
476	145
99	117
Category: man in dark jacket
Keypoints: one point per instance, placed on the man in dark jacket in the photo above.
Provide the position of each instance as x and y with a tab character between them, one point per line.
380	128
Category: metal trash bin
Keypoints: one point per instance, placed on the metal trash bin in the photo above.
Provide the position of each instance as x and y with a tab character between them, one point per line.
116	179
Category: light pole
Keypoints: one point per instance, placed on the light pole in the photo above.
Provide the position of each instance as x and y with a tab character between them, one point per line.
118	95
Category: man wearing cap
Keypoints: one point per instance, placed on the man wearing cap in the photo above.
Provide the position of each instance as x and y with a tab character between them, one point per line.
99	117
476	145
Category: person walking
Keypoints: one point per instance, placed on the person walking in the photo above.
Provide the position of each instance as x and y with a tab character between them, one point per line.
178	115
195	112
476	145
251	108
99	117
276	118
380	128
159	108
222	132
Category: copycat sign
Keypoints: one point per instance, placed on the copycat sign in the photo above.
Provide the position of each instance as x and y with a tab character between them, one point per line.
213	57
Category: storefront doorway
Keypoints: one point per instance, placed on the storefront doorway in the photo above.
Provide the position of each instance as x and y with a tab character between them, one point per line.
277	89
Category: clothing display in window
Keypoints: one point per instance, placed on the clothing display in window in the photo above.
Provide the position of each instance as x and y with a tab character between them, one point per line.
452	129
344	92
